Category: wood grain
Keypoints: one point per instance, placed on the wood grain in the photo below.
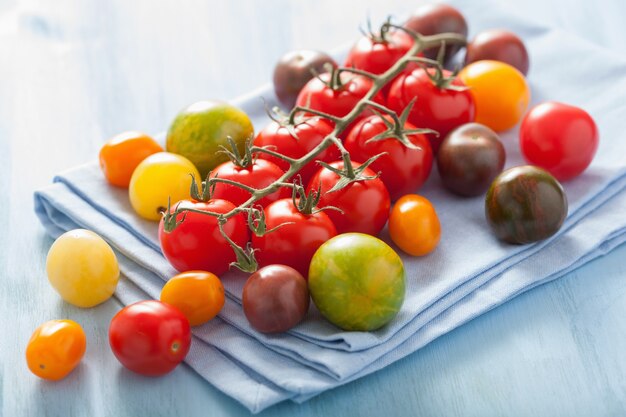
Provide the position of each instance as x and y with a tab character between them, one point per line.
73	73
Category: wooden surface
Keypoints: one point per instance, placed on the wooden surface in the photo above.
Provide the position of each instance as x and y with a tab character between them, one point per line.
73	73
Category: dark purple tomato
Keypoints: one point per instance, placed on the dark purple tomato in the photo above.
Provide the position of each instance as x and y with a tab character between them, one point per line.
293	71
525	204
469	158
498	45
432	19
275	298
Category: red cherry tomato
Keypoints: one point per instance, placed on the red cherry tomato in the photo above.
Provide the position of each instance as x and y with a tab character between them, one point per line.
294	243
196	244
150	337
308	134
403	170
317	95
377	55
364	204
259	174
560	138
436	108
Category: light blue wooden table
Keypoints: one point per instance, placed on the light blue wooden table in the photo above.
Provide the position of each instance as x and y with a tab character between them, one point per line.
75	72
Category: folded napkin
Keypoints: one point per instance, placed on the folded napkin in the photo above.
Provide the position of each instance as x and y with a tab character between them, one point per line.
469	273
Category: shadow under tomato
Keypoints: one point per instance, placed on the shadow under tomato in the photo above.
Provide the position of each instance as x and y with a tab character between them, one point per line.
52	396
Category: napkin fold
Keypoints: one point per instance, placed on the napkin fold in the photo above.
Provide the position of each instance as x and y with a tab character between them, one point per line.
469	273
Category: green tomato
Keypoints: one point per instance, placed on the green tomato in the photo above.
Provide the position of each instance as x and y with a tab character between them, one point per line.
200	130
357	281
82	268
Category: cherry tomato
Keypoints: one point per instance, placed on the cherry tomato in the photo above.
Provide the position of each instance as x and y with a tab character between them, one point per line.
275	298
200	130
294	70
469	159
364	204
306	136
55	349
402	169
199	295
122	153
160	178
150	337
432	19
414	225
436	108
197	242
498	45
500	93
294	243
357	282
378	54
82	268
525	204
560	138
317	94
259	174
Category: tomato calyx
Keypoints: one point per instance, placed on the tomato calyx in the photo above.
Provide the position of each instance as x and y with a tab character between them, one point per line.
349	173
306	203
439	79
235	156
170	221
258	224
303	202
395	125
382	36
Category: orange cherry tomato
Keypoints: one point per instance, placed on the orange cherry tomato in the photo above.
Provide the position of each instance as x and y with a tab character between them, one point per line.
122	153
199	295
414	225
500	92
55	349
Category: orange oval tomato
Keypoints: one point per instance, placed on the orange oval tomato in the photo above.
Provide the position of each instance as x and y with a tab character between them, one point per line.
199	295
500	92
55	349
414	225
122	153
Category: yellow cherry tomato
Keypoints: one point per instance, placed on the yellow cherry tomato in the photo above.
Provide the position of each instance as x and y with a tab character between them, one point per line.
199	295
156	179
55	349
82	268
500	92
414	225
122	153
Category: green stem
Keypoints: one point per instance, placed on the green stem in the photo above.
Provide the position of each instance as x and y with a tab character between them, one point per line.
259	149
359	72
233	183
300	109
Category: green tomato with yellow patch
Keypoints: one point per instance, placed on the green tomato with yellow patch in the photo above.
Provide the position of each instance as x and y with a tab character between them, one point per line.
357	282
202	130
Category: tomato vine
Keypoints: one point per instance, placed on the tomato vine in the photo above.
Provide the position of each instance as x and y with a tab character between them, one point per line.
245	256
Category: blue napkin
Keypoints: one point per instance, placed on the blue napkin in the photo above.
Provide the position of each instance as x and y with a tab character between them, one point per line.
469	273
